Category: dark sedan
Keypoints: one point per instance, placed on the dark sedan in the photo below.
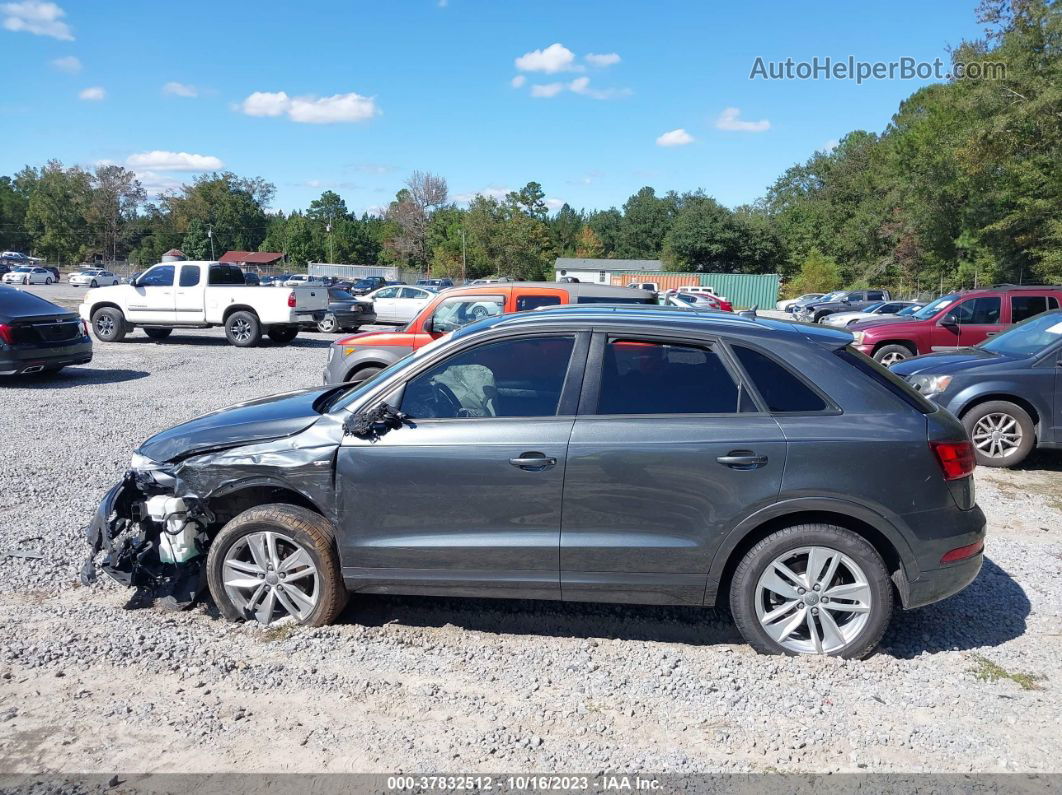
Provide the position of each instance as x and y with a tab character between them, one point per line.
345	312
1007	391
36	336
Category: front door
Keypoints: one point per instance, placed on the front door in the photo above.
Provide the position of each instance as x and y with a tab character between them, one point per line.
466	499
664	459
383	302
153	298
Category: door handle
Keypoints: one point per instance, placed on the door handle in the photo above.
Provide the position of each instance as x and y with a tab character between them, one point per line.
533	462
742	459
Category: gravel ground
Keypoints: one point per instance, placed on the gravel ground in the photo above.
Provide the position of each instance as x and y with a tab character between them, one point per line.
417	684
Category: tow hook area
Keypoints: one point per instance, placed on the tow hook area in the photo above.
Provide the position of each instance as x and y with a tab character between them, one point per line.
153	541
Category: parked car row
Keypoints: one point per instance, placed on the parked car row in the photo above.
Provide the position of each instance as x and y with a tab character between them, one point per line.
30	274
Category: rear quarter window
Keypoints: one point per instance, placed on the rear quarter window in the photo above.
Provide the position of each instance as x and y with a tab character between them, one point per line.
886	379
780	389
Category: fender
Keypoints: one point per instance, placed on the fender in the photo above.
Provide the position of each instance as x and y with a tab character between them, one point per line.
233	486
793	505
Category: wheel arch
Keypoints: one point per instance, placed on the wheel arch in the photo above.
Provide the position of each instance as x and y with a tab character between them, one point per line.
231	499
864	522
991	394
912	347
106	305
362	365
233	308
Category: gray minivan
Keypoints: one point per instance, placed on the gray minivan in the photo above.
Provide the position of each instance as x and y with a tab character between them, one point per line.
617	454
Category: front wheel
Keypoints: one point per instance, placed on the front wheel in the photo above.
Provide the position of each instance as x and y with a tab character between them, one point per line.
48	280
94	284
1003	433
888	355
812	589
243	329
282	335
276	561
108	324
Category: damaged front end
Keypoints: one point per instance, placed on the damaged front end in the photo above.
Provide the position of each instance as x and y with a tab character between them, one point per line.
153	539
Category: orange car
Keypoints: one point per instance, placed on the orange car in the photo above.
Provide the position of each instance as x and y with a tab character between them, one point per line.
362	356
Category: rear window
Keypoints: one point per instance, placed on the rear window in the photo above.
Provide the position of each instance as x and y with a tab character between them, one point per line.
225	274
525	303
601	299
781	390
887	379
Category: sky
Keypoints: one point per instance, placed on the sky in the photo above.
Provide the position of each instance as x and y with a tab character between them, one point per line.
591	98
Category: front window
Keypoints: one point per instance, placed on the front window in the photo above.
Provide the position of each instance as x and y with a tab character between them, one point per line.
642	377
1028	338
931	309
159	276
453	313
510	378
978	311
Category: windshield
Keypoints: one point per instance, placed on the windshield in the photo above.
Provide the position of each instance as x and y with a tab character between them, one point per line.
907	311
828	297
345	399
364	283
933	307
1028	337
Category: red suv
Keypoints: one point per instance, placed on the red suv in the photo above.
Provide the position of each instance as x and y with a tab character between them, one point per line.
956	320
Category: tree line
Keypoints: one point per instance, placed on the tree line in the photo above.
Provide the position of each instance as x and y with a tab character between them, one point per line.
963	187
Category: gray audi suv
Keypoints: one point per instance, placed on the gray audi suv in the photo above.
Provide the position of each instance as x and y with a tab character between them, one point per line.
616	454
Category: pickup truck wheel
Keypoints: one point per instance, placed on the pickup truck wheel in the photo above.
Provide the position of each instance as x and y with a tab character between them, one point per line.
282	335
157	333
276	561
243	329
1003	433
327	324
888	355
108	324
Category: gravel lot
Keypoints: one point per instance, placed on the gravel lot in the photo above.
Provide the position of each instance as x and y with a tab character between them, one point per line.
412	684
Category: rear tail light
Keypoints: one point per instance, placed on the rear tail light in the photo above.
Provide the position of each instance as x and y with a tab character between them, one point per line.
5	334
291	299
962	553
956	458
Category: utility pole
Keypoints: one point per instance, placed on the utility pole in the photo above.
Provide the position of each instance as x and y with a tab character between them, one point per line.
464	276
210	234
331	243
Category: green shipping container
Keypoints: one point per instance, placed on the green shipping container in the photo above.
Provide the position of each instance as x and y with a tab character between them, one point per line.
743	290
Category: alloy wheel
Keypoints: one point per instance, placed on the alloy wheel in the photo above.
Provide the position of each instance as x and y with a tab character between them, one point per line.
269	576
241	330
890	359
104	325
813	600
997	435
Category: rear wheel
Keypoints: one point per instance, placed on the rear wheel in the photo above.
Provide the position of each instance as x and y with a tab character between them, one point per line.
1003	433
282	335
157	333
108	324
327	324
276	561
888	355
243	329
812	589
48	280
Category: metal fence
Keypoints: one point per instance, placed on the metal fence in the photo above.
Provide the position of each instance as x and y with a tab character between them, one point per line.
743	290
392	274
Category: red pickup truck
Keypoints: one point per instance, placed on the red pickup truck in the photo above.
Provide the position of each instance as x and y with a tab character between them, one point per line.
956	320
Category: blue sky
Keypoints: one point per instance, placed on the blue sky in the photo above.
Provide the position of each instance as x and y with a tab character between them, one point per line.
352	96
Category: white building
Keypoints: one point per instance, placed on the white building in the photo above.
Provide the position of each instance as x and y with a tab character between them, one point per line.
599	271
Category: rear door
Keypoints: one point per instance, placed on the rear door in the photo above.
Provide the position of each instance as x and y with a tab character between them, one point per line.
668	452
154	299
189	305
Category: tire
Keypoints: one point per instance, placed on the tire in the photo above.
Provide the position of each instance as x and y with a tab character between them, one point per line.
888	355
294	529
328	324
821	316
114	283
282	335
858	632
158	333
364	374
1017	433
243	329
108	324
93	284
48	280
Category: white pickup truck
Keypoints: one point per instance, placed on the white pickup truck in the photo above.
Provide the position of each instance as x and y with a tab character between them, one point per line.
199	295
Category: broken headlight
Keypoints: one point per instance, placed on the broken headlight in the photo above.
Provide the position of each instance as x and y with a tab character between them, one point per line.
153	469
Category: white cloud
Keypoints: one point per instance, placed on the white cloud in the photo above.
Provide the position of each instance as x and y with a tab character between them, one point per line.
159	160
155	184
547	90
180	89
39	18
337	108
677	137
518	81
829	146
555	58
92	94
581	85
553	203
603	59
491	192
69	64
730	119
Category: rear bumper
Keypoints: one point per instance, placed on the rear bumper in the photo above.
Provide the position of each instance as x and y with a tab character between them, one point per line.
34	358
939	532
937	584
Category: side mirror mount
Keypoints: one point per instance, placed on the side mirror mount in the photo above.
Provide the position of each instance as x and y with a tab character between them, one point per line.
133	281
949	320
373	423
429	324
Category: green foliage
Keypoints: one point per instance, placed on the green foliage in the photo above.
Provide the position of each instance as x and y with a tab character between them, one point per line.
818	274
590	244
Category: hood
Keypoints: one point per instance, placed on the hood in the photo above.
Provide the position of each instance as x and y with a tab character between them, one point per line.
945	362
897	324
255	421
